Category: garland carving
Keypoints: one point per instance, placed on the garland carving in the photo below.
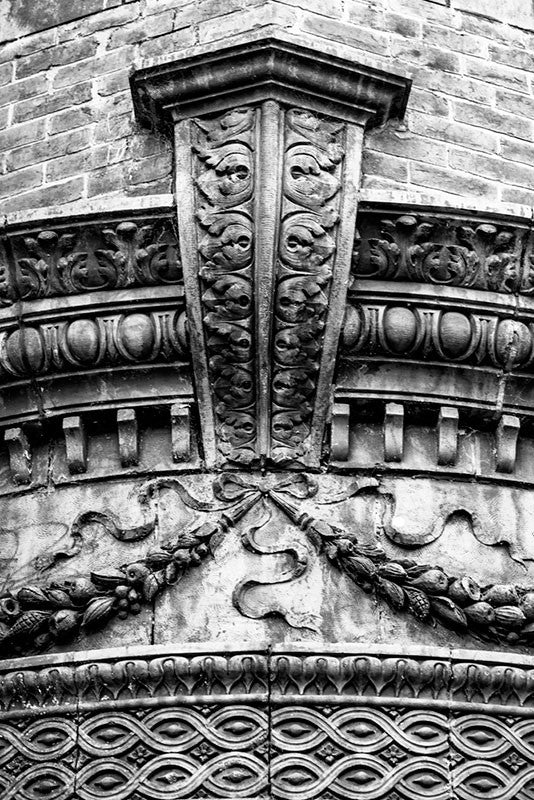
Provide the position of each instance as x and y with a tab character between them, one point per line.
32	618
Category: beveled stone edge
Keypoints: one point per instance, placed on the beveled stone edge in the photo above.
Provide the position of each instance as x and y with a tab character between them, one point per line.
79	210
419	202
270	67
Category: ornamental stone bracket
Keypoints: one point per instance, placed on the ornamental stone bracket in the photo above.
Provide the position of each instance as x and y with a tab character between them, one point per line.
268	139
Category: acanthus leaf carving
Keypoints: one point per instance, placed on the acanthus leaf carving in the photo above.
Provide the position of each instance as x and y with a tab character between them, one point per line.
224	177
97	256
440	250
313	158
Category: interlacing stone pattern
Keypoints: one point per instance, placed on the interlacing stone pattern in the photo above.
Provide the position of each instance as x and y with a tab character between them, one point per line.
217	726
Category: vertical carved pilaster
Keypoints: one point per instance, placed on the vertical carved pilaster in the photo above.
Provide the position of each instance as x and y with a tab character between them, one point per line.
321	172
217	171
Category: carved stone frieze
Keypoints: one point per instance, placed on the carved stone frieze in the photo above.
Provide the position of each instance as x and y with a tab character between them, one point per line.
89	255
445	334
343	720
37	616
93	342
444	249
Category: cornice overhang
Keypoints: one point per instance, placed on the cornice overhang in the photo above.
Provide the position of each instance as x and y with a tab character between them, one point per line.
267	69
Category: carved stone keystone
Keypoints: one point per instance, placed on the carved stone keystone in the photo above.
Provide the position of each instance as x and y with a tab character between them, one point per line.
268	139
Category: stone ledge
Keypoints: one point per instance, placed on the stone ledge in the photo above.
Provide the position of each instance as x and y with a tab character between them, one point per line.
267	69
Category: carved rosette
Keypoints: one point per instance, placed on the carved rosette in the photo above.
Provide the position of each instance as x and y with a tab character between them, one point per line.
312	182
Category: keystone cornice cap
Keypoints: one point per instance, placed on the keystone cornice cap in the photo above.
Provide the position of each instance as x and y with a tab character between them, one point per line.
267	69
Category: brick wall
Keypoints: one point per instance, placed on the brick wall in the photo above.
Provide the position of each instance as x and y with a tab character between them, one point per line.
67	130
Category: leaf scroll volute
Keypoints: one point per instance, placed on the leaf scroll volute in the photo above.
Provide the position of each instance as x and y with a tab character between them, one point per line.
156	258
309	178
306	242
228	244
227	179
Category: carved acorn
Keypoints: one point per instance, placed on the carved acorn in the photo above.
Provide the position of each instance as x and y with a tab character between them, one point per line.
32	597
528	632
418	603
509	617
9	609
392	571
480	613
392	593
527	605
359	567
433	581
158	559
63	623
501	594
464	591
98	611
448	612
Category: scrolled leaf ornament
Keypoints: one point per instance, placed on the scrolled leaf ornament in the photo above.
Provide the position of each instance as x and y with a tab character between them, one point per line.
313	160
224	178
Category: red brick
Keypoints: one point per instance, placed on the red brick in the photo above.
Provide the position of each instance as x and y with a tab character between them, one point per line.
69	119
50	103
497	73
514	195
137	31
517	151
419	53
492	120
493	168
353	35
17	135
149	169
21	90
55	57
16	182
453	132
53	147
46	196
98	22
406	144
106	181
94	67
455	85
512	56
451	181
393	168
458	41
515	103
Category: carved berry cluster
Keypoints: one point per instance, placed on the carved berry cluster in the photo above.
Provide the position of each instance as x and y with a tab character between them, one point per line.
33	618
